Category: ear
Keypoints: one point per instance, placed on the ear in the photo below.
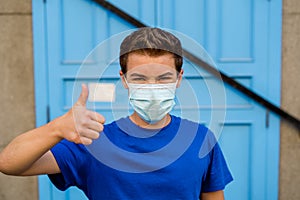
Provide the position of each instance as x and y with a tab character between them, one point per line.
123	79
179	78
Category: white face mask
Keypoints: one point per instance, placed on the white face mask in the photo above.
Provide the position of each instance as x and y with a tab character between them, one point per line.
152	101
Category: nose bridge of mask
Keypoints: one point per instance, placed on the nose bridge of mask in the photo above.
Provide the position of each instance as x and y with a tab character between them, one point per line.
152	91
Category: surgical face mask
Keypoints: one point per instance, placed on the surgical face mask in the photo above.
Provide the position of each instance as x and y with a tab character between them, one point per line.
152	101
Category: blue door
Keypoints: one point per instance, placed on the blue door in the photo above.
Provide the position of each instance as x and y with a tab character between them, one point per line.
243	38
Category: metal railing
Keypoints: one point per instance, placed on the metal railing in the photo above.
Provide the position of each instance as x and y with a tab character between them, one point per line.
200	63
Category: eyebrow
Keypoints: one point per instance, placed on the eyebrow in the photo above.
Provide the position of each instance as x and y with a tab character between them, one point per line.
137	75
166	74
143	76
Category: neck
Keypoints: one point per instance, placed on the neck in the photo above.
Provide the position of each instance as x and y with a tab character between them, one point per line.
135	118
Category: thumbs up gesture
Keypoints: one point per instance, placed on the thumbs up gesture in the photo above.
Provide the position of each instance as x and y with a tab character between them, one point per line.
79	124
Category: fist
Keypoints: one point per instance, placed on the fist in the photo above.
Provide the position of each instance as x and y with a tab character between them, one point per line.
79	124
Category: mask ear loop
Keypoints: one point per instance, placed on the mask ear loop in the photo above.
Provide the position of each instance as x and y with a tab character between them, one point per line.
125	79
177	78
176	82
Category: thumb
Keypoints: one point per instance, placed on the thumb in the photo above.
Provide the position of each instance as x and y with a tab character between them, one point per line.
83	95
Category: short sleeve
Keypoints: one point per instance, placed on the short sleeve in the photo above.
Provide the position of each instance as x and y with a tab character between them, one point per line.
218	174
69	158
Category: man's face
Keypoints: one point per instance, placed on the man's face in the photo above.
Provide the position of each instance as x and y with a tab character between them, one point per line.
144	69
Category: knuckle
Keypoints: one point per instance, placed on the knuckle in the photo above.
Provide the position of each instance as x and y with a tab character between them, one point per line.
85	122
101	119
88	142
74	138
95	136
101	127
80	130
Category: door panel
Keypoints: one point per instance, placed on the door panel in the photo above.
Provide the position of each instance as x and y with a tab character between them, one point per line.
237	36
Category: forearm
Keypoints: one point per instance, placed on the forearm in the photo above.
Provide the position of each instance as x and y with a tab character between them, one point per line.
27	148
217	195
24	155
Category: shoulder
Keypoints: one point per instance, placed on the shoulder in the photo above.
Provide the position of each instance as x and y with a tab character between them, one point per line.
67	145
69	152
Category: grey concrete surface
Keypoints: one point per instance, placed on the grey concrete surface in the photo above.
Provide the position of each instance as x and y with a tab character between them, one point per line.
16	89
16	76
17	188
15	6
291	6
289	179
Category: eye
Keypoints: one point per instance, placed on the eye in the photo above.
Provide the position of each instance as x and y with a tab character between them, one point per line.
164	78
138	79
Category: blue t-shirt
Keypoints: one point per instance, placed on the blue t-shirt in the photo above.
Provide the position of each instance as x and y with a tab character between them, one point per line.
179	161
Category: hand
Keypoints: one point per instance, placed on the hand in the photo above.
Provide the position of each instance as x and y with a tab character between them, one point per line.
80	125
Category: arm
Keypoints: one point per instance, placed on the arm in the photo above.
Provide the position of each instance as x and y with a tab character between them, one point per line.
28	148
28	154
217	195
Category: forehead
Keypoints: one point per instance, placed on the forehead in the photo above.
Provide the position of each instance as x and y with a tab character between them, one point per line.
150	65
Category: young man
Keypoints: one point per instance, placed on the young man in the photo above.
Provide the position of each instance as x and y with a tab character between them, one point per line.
157	154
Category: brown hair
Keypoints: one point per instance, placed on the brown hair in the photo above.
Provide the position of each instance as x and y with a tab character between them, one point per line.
153	42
